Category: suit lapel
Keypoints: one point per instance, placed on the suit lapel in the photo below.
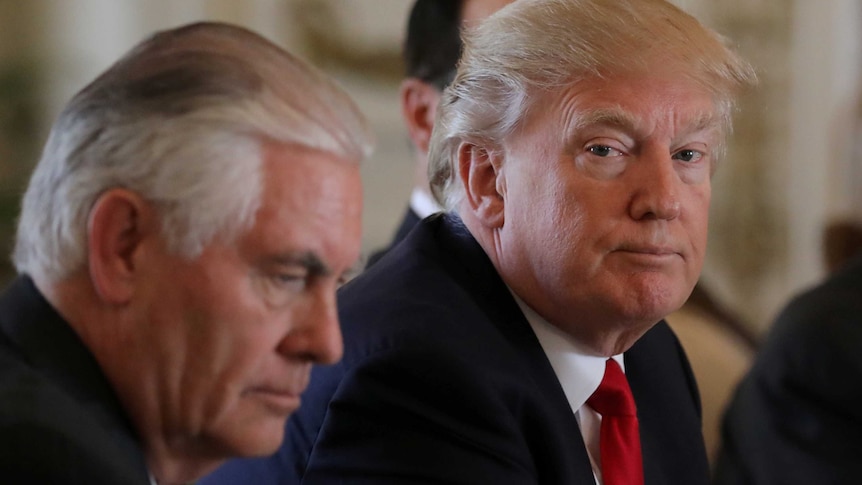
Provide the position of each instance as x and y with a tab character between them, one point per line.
668	409
472	268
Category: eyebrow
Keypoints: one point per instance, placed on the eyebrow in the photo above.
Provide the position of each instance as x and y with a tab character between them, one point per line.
620	118
604	116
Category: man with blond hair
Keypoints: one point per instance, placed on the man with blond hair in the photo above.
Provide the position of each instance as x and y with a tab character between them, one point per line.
519	337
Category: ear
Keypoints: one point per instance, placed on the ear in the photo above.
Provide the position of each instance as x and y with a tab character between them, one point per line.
120	221
418	107
484	183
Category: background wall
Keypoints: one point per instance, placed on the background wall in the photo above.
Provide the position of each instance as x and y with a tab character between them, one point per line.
790	167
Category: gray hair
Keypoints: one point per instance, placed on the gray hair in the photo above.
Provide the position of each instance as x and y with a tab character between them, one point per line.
542	46
181	120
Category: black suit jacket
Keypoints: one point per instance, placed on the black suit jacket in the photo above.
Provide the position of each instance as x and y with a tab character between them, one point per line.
443	381
796	417
60	422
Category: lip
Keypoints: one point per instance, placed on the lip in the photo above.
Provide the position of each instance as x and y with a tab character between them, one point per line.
650	251
279	401
650	254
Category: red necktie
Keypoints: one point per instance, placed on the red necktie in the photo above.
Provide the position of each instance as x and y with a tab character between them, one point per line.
619	438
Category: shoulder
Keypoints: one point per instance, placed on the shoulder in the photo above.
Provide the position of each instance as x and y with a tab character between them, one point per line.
47	436
424	403
796	395
820	326
418	298
814	344
421	397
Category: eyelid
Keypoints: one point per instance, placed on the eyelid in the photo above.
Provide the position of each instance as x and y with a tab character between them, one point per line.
697	149
308	263
294	281
292	275
614	148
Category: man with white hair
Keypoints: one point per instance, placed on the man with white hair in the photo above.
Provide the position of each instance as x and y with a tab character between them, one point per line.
518	337
179	248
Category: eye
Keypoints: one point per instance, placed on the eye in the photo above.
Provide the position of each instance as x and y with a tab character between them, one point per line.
688	155
281	284
290	279
603	151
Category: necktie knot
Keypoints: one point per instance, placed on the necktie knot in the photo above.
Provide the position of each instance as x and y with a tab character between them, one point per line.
613	397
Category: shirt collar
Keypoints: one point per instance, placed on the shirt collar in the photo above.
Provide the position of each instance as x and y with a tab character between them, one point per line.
423	204
578	371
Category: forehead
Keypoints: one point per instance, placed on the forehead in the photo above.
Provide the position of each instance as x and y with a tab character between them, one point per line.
294	169
311	201
635	103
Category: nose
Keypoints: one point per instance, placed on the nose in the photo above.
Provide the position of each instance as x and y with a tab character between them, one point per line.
656	186
315	335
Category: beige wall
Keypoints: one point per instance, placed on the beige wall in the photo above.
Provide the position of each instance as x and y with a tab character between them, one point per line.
785	175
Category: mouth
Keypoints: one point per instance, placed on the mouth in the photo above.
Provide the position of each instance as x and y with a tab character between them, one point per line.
650	255
655	251
280	401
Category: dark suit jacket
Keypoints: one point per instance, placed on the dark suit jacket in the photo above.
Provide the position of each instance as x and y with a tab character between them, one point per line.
796	417
443	381
60	422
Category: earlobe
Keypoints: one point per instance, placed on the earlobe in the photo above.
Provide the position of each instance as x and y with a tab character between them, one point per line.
484	183
418	107
117	225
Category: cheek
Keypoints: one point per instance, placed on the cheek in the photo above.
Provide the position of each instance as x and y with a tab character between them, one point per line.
695	225
558	230
239	341
230	335
698	213
235	359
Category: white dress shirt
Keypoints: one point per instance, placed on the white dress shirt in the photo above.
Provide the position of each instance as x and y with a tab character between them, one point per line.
579	372
423	204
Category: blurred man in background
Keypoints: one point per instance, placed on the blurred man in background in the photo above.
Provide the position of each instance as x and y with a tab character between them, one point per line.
431	51
795	417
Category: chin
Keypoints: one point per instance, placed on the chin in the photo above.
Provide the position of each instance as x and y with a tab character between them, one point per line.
265	445
252	441
661	299
652	310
